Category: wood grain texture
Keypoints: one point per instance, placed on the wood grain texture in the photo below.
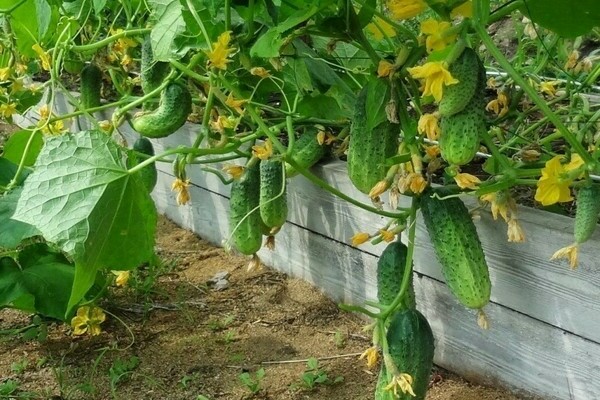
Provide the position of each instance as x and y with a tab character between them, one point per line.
519	352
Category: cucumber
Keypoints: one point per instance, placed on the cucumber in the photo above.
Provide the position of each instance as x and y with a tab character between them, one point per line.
586	215
273	197
390	270
245	223
382	382
458	249
91	86
152	73
148	174
372	140
306	152
465	69
460	135
172	112
411	347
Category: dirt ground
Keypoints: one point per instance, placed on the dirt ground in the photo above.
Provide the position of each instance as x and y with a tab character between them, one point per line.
172	335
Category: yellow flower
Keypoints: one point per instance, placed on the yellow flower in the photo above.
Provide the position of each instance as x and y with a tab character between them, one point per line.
43	56
499	105
88	319
570	253
20	68
428	124
263	152
435	32
549	88
235	171
387	236
385	68
467	181
260	72
379	188
572	60
403	382
371	355
217	57
435	77
4	73
553	185
122	44
223	123
404	9
182	189
57	127
380	29
8	109
44	112
500	203
16	86
413	182
432	151
122	277
515	231
491	82
105	125
360	238
235	104
464	10
254	264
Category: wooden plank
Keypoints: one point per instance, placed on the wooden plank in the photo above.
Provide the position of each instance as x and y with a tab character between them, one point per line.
518	351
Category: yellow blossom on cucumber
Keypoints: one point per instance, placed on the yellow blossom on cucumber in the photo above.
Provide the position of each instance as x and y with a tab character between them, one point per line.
360	238
371	355
428	125
553	185
122	277
572	60
549	87
405	9
181	187
5	73
379	188
413	182
387	235
265	151
401	383
8	109
467	181
88	320
235	171
380	29
569	253
435	31
464	10
44	112
499	105
260	72
218	56
235	104
384	69
515	232
432	151
499	204
105	125
43	56
20	69
434	76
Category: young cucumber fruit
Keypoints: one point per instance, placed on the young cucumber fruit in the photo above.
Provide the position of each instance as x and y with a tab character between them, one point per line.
172	112
586	216
373	139
458	249
148	174
245	223
306	152
91	85
465	69
273	196
411	347
152	73
390	270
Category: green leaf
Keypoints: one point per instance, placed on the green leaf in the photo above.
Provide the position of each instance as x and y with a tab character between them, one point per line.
40	282
8	169
81	197
43	13
24	25
99	6
12	232
268	44
378	95
321	106
169	26
15	146
567	18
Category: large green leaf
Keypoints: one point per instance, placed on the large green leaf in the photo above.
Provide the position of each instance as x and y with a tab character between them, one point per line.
81	197
24	24
12	232
43	13
567	18
41	281
16	143
169	26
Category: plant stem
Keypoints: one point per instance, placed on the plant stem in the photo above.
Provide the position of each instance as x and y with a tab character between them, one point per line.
106	41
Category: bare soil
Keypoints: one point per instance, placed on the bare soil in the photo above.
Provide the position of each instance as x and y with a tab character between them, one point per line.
192	340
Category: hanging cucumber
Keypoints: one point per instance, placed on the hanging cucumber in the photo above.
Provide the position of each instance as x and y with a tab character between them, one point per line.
152	72
306	152
91	86
273	196
148	174
245	223
390	270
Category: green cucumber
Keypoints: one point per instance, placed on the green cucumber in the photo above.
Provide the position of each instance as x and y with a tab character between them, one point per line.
411	347
458	249
382	382
586	215
460	135
273	197
390	270
152	72
306	152
465	69
91	86
148	174
245	224
172	112
372	139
